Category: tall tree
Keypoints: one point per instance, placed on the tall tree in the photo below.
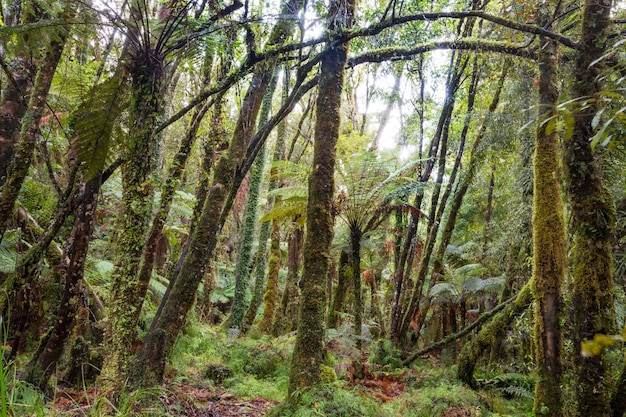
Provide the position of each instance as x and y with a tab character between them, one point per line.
308	352
31	121
593	215
164	331
549	243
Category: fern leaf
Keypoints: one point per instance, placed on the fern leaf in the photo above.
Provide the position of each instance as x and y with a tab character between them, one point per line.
95	121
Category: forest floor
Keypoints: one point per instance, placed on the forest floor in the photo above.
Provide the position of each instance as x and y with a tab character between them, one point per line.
212	375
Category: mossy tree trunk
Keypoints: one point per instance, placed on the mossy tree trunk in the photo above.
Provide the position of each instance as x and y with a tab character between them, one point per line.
271	291
30	123
593	216
157	346
343	276
355	246
176	170
136	210
309	352
267	231
286	316
472	351
549	242
43	363
244	255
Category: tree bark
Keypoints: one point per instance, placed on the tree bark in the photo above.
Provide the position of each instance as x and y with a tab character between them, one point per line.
43	364
243	267
593	216
309	352
549	242
138	181
29	133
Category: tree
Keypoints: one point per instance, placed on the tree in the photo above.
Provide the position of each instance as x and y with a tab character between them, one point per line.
308	352
549	242
593	214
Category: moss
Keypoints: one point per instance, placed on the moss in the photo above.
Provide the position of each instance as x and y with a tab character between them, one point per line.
499	324
327	374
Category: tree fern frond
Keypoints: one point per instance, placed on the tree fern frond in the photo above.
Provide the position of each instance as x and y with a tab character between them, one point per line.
289	193
286	210
95	121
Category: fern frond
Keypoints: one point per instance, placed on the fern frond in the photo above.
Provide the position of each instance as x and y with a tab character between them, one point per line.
94	123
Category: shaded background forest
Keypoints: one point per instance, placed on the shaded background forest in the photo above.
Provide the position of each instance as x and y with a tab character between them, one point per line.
402	179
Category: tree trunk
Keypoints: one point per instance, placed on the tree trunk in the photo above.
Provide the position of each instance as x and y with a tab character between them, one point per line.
29	133
355	243
243	268
593	215
549	242
267	231
286	317
472	350
150	361
476	157
343	277
43	365
135	213
309	352
271	291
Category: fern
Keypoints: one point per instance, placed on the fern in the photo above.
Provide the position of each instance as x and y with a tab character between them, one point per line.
95	121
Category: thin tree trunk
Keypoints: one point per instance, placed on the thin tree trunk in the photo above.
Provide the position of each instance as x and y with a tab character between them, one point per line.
549	242
355	242
476	157
243	267
343	276
285	318
309	350
43	365
267	231
271	291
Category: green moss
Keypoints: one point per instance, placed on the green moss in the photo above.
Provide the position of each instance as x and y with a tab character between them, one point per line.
327	375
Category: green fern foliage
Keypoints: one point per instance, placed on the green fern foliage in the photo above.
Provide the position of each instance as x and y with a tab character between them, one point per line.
95	123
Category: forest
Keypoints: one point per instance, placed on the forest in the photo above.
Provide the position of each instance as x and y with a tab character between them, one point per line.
313	208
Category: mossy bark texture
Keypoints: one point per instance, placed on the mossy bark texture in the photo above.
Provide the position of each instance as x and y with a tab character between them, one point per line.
473	350
43	364
267	231
271	290
136	210
244	255
593	216
343	275
286	315
549	242
309	352
29	131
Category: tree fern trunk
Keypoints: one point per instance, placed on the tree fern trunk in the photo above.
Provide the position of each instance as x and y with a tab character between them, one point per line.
134	216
